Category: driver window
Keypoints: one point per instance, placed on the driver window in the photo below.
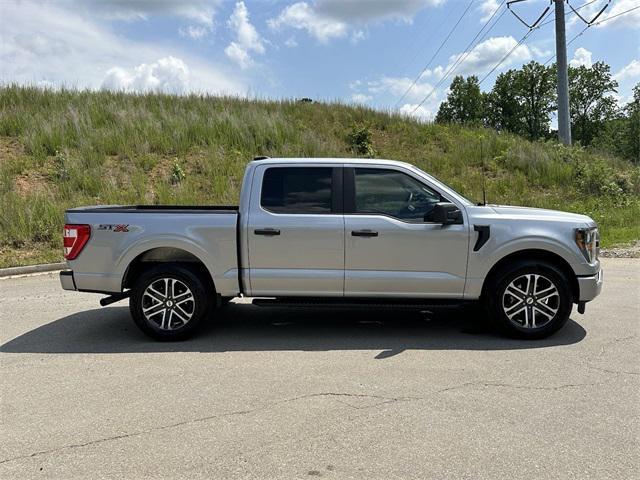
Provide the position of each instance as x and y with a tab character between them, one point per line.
393	193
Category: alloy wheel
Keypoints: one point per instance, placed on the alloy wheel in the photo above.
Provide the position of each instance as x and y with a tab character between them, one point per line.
168	303
531	301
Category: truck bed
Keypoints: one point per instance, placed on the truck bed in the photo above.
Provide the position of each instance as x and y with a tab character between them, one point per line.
121	234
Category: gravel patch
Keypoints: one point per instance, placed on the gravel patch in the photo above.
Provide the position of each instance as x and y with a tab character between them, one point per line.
627	251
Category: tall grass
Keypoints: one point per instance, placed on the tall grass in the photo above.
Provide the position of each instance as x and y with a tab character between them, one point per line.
65	148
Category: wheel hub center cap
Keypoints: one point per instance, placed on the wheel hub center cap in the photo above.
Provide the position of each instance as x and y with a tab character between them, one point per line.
169	303
530	301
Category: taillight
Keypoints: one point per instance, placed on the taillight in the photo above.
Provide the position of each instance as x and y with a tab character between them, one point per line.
75	238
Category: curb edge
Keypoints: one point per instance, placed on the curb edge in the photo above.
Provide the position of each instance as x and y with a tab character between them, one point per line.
45	267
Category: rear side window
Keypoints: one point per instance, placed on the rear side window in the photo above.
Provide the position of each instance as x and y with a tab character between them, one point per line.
297	190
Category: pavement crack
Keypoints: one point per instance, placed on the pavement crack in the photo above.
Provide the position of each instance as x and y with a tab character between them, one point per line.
606	370
339	396
211	417
518	387
615	341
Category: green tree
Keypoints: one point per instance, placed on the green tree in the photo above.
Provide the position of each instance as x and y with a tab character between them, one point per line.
535	86
464	102
502	108
632	150
590	105
521	101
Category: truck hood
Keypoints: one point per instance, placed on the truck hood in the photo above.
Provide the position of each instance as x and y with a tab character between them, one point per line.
527	213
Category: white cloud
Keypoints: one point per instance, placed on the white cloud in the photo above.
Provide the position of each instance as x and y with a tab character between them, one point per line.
201	11
630	19
394	88
357	36
329	19
247	37
361	98
627	77
365	11
194	31
581	56
488	53
487	7
630	72
302	16
397	86
615	9
480	59
41	43
291	42
418	112
169	75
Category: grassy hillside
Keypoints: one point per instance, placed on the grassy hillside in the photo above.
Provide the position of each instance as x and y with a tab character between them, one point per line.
69	148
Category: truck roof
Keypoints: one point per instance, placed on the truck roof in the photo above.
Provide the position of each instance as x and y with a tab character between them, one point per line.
367	161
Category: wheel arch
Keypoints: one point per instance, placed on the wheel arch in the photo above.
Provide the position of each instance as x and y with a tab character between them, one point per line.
533	254
166	255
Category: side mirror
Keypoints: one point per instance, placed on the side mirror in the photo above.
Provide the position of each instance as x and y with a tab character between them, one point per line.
445	213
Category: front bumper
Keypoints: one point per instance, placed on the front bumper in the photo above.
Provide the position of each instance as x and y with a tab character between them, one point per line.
591	286
67	281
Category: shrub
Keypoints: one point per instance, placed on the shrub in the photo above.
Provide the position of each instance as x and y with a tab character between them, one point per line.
177	173
61	166
360	140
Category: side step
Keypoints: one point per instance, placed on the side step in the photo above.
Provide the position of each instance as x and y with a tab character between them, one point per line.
365	303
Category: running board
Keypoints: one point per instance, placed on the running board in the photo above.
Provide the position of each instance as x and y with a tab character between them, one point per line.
387	303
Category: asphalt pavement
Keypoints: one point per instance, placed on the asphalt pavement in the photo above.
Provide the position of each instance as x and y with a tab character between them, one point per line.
306	393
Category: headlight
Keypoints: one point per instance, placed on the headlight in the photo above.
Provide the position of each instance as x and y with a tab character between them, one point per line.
588	241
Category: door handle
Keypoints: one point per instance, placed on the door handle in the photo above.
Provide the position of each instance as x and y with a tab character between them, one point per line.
269	232
364	233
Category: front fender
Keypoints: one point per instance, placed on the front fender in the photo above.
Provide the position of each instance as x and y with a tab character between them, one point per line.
498	248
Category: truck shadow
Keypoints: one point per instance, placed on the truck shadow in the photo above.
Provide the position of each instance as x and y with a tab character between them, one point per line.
245	327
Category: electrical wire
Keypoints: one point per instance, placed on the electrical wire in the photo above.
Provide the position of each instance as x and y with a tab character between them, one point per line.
590	25
462	57
569	12
464	13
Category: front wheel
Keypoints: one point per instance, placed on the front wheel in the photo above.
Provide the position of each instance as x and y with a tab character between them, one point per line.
529	300
168	302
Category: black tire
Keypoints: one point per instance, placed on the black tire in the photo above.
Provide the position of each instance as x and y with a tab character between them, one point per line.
532	315
170	326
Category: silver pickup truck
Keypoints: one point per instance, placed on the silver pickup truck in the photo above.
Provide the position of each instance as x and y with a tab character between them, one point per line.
320	230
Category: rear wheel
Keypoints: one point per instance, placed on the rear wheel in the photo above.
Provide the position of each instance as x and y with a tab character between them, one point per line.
168	302
529	299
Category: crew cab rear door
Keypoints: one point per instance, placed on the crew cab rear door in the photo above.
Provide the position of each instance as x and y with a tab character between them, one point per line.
390	250
295	231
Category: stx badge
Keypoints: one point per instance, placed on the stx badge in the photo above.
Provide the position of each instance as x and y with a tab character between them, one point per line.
120	228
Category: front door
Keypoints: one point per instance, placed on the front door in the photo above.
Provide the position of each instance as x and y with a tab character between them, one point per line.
296	232
389	249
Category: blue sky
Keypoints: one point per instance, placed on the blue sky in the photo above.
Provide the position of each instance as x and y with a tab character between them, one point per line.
363	51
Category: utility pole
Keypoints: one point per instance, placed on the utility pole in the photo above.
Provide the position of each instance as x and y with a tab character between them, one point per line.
564	121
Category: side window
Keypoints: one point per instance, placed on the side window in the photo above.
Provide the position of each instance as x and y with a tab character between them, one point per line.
297	190
393	193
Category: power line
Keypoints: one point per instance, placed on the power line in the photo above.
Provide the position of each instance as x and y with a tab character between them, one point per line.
425	38
590	25
569	12
462	57
519	43
435	54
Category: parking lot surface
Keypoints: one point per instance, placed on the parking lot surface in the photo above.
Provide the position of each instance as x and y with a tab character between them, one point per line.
306	393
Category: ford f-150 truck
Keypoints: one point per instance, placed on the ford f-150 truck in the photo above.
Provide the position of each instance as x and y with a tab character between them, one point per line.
321	230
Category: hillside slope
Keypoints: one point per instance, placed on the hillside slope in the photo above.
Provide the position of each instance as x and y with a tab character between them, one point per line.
68	148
